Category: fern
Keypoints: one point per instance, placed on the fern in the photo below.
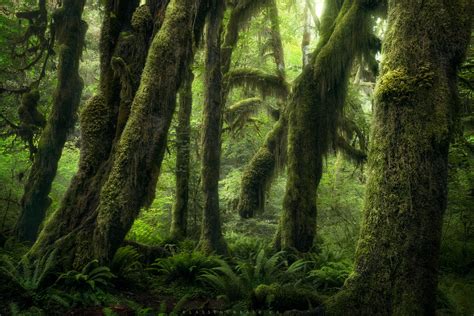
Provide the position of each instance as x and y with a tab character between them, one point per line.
184	267
126	262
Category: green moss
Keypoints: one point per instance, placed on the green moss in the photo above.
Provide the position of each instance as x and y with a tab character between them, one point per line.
142	20
256	79
280	298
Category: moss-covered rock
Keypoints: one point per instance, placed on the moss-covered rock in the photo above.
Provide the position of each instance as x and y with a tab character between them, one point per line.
282	298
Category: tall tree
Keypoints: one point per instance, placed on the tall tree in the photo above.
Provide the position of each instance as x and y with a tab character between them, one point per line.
179	220
124	177
314	110
271	156
211	235
416	106
70	32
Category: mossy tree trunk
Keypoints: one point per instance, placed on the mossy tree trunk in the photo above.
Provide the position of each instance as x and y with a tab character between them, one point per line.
183	151
70	33
86	217
76	213
211	239
140	150
416	105
315	107
260	171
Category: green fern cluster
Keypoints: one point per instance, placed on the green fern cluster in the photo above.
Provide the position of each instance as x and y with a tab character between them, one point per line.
126	263
184	268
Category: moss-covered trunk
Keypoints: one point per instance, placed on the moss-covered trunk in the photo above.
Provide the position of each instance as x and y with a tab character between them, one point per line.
271	156
314	109
124	41
70	32
416	105
183	147
211	239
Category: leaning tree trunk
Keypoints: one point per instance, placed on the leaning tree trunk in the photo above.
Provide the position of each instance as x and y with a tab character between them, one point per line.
183	147
271	156
416	106
140	150
211	235
314	109
70	31
122	60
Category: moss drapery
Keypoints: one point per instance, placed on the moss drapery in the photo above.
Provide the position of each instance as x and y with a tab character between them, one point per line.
416	104
70	32
104	197
314	110
271	156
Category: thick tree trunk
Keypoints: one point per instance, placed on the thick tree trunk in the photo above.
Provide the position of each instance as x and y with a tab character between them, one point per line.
183	147
70	31
211	235
416	105
124	42
316	104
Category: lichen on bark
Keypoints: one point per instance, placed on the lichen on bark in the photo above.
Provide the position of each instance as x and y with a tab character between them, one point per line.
416	105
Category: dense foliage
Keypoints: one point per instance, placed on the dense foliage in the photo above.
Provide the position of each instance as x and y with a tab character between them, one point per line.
153	270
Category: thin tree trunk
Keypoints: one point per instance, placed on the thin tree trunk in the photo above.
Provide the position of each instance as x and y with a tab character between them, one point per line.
183	147
70	31
416	106
211	235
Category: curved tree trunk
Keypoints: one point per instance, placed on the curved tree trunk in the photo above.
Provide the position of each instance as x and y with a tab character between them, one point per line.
180	208
271	156
315	107
70	31
416	104
124	42
140	150
211	235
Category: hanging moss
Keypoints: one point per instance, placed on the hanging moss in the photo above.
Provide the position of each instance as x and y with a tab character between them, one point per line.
239	16
70	228
70	34
396	260
137	159
238	114
256	79
271	157
315	108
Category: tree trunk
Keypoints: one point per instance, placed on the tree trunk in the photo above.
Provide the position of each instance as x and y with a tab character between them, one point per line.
416	105
140	150
315	107
183	147
70	32
211	235
125	36
260	171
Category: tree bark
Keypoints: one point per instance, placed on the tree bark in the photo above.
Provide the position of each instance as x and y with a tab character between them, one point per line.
271	156
315	107
124	41
137	159
70	32
416	106
183	151
211	239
